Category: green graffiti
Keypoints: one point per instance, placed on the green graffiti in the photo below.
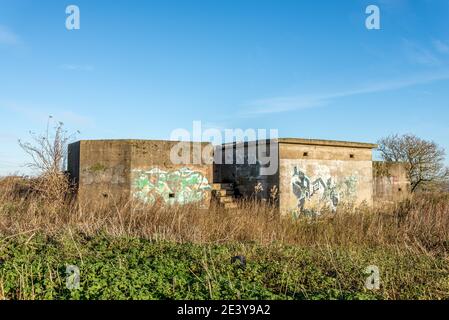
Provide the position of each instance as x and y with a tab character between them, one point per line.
175	187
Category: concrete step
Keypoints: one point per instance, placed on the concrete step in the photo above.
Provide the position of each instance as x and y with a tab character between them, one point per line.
223	192
223	186
230	205
227	199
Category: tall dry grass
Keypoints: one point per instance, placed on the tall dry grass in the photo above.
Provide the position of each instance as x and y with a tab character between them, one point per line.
418	224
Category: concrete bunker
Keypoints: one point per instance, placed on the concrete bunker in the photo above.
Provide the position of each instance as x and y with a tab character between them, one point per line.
141	170
311	174
299	176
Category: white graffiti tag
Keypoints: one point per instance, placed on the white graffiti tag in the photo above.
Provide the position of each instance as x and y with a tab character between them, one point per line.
324	191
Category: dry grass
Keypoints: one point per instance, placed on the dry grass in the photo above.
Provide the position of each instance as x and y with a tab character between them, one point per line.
420	224
41	228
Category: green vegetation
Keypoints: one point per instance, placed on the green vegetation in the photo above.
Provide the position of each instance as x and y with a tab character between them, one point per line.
131	268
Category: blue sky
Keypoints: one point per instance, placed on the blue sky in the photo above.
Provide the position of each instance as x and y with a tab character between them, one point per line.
140	69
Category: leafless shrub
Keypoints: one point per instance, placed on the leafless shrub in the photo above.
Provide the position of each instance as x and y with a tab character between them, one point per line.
48	152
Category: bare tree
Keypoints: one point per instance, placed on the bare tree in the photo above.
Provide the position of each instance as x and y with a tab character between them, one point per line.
48	151
424	159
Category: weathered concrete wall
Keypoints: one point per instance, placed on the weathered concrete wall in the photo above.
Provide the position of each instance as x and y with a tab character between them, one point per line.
243	168
315	174
391	183
139	170
155	179
101	169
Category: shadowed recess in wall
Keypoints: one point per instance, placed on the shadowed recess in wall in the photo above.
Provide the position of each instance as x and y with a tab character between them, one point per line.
320	191
181	186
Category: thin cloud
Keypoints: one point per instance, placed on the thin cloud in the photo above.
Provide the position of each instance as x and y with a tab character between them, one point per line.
283	104
8	38
418	54
40	114
290	103
440	46
76	67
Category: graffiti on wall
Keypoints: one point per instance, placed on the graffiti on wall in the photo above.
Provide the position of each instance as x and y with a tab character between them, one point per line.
321	191
181	186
